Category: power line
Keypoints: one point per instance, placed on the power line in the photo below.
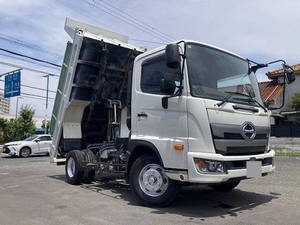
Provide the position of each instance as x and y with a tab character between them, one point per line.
36	88
29	57
41	89
132	19
26	60
40	96
27	68
37	98
107	11
23	93
136	20
27	45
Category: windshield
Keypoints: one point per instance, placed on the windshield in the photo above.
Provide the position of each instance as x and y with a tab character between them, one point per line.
31	138
215	74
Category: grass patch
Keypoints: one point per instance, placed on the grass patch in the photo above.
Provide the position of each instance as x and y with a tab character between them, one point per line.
288	154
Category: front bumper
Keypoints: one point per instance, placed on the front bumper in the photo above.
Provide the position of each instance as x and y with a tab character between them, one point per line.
10	150
196	177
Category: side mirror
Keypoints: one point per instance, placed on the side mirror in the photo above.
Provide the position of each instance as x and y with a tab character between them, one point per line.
37	140
167	86
290	76
173	56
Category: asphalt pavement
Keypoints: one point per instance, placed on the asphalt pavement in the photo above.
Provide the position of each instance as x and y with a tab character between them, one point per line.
33	192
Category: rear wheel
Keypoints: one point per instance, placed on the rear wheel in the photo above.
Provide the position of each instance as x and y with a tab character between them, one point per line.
89	172
25	152
226	186
74	169
150	183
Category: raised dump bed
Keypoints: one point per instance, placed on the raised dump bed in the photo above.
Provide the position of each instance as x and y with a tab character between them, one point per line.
93	97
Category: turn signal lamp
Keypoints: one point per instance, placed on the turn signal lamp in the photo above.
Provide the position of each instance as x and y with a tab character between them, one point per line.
209	166
179	147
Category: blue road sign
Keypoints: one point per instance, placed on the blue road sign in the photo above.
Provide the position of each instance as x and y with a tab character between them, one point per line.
12	85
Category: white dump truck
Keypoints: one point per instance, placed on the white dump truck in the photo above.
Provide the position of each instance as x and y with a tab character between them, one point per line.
186	112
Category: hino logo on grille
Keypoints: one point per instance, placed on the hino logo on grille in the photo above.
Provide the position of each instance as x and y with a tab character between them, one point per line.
248	131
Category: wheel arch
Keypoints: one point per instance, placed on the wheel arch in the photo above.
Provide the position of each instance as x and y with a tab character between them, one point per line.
137	148
26	146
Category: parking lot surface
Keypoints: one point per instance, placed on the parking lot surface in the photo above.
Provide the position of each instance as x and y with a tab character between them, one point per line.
33	192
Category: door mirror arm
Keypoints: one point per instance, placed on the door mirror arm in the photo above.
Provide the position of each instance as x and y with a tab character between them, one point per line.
165	99
173	57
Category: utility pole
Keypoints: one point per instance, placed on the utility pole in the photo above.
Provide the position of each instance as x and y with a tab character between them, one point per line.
17	106
47	101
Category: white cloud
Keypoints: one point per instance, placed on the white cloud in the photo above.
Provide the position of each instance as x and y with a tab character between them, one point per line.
260	30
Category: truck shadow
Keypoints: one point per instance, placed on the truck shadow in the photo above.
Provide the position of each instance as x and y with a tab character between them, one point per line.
195	201
202	202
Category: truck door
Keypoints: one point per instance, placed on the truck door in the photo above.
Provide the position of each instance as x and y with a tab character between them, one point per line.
150	121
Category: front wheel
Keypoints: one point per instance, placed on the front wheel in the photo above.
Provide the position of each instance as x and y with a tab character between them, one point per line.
25	152
150	183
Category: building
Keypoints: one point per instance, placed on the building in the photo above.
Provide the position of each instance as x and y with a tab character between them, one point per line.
275	89
285	120
4	104
270	92
38	120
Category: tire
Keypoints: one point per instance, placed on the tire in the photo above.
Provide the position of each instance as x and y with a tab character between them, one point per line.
89	172
226	186
160	195
25	152
74	169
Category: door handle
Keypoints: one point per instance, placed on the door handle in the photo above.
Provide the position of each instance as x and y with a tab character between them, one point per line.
142	114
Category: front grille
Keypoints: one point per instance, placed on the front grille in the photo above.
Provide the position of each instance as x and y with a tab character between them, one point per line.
239	136
228	140
6	150
241	164
248	150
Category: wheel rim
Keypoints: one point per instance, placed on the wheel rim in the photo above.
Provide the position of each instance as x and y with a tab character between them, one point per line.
153	181
25	152
71	167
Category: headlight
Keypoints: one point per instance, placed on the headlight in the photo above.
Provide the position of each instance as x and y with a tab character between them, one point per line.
209	166
13	145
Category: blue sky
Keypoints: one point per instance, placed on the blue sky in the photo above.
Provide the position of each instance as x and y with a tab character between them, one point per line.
261	30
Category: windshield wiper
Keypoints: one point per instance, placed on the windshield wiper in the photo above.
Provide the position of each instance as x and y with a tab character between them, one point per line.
230	94
251	99
225	99
259	104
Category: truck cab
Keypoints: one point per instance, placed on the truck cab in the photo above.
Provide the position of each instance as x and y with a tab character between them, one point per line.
194	130
187	112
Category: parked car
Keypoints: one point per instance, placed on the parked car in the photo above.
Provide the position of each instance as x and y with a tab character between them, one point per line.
34	145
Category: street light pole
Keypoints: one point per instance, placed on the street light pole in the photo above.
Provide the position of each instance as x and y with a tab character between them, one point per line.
47	101
47	93
17	106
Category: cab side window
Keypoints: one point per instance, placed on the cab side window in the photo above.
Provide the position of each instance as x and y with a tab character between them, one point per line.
153	71
45	138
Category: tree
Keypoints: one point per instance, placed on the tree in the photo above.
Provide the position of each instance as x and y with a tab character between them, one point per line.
7	130
3	128
296	103
24	124
17	129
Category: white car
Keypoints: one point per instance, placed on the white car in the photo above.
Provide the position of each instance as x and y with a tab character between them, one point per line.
34	145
